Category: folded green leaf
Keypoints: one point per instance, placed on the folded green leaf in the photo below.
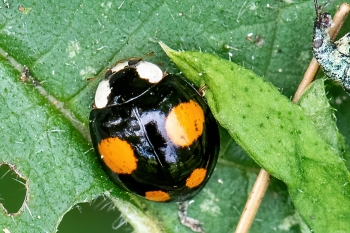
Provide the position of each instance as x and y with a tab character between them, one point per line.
315	104
277	134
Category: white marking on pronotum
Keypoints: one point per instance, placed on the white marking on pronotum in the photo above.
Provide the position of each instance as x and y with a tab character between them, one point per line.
146	70
104	89
149	71
119	66
102	93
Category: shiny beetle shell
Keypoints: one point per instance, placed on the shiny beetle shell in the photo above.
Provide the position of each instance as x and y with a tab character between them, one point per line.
154	134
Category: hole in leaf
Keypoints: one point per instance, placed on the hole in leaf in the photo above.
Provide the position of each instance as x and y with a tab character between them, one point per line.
13	189
98	216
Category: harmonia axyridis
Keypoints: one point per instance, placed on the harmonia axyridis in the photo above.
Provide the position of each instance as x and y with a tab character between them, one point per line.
153	132
333	57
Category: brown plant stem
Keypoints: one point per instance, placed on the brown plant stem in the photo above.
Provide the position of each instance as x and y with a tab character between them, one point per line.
263	179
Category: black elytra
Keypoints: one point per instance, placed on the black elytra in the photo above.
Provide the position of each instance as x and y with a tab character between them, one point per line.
136	113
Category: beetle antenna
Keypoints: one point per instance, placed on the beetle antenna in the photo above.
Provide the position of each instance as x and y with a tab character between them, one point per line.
319	8
316	7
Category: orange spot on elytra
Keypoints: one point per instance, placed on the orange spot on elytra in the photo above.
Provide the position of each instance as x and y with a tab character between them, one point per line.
118	155
196	177
157	196
184	123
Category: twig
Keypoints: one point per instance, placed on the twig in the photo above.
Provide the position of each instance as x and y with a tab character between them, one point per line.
253	202
309	75
263	179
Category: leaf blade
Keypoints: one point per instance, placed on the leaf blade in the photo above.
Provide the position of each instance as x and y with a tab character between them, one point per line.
277	135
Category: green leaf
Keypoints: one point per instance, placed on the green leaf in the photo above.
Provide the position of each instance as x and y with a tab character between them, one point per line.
315	104
57	161
63	43
277	134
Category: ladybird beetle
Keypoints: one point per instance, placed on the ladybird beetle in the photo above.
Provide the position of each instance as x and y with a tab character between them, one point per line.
333	57
153	132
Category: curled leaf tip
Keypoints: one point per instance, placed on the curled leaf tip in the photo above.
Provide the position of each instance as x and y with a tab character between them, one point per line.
166	48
